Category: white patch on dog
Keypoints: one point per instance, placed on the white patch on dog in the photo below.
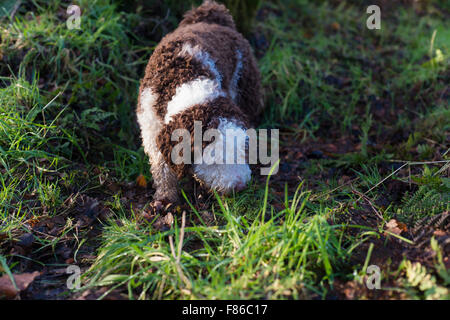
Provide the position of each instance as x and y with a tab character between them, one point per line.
198	91
204	58
165	180
149	123
234	173
236	76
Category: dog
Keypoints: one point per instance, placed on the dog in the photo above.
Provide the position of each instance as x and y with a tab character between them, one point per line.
203	72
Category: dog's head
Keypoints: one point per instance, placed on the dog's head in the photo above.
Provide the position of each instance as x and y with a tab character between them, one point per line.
210	141
224	167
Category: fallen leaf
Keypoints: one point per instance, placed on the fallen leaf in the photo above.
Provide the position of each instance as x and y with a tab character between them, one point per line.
169	219
402	226
113	187
308	35
332	148
70	261
298	155
7	288
335	26
439	233
395	227
141	181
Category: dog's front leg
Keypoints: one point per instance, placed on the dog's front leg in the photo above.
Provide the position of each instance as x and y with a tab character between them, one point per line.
164	180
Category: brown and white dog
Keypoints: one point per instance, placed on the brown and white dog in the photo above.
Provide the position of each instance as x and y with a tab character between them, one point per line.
203	71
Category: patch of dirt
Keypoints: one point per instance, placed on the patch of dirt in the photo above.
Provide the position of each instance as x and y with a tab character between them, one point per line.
389	251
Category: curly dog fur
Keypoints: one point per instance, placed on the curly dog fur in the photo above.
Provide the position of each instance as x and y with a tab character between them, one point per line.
203	71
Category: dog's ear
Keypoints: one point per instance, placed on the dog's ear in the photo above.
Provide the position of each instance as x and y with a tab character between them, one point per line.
207	115
181	127
166	145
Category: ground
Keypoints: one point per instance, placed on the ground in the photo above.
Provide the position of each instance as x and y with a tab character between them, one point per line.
364	123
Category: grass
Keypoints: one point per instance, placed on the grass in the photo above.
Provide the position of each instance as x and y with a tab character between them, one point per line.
242	258
366	111
28	148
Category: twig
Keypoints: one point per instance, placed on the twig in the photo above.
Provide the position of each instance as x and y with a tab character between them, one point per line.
180	242
410	163
14	10
161	287
420	162
369	201
386	178
333	190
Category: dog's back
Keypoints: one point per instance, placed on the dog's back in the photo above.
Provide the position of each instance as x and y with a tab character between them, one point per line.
206	45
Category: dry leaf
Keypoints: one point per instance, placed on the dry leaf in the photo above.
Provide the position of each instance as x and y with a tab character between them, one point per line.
335	26
439	233
395	227
169	219
7	289
141	181
402	226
